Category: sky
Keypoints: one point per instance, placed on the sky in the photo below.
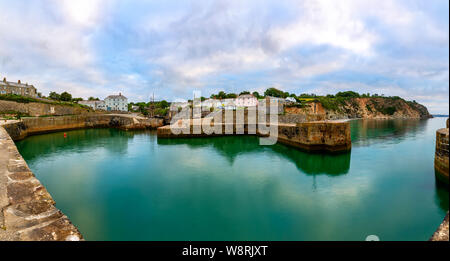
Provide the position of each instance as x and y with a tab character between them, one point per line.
170	49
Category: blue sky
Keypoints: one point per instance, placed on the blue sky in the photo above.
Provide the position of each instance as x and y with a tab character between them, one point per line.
172	48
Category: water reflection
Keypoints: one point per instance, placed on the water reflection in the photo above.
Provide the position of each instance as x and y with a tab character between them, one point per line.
367	132
441	196
231	147
75	141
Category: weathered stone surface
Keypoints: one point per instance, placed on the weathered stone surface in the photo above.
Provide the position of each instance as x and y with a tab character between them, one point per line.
21	216
441	233
20	192
58	230
21	175
441	160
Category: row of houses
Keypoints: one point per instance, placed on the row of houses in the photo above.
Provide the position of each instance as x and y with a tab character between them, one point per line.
120	102
111	103
242	101
17	88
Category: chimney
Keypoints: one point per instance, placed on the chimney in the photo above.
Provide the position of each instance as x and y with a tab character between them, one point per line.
4	79
120	94
18	81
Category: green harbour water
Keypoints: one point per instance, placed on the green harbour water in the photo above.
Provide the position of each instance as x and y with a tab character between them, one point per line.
119	185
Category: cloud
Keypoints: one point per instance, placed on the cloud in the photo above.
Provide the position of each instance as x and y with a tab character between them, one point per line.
94	48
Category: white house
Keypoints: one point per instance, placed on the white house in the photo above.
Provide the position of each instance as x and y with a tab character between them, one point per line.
228	104
96	105
116	103
211	103
246	100
273	103
291	99
175	106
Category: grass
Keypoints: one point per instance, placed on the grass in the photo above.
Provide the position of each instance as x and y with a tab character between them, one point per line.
12	115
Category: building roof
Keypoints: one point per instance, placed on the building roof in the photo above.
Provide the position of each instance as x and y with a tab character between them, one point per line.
246	96
15	84
91	102
120	96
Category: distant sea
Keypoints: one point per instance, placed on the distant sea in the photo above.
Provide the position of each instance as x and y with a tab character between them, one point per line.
439	115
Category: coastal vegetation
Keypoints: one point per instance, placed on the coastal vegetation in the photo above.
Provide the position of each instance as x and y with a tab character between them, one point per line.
158	108
24	99
345	103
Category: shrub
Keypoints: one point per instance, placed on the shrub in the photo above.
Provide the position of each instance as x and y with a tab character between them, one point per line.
161	112
348	94
389	110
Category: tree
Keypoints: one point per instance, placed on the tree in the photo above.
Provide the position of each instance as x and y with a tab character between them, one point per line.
163	104
93	99
244	93
65	96
306	95
348	94
54	96
221	95
231	95
256	94
274	93
77	99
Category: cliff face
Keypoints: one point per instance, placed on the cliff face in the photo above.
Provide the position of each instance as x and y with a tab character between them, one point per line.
367	108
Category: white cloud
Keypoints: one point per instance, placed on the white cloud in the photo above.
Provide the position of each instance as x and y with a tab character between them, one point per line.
171	48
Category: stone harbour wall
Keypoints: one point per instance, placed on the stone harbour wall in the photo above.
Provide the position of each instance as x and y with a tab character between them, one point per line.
332	136
441	159
29	126
27	211
441	233
38	109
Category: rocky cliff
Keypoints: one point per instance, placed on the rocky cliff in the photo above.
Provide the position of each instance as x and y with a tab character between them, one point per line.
367	108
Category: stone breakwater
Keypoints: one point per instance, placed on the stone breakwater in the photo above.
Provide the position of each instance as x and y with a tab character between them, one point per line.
27	211
441	159
332	136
